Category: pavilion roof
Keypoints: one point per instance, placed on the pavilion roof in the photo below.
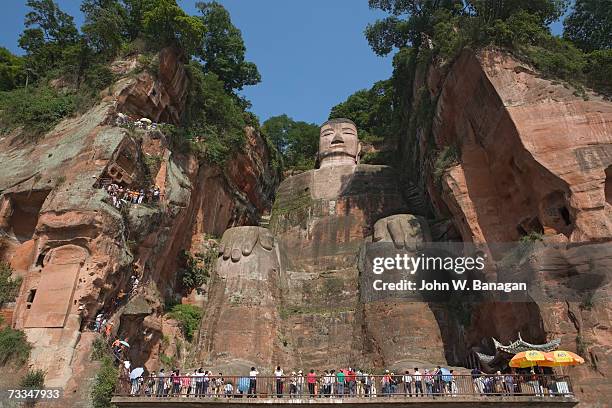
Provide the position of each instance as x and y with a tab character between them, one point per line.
521	345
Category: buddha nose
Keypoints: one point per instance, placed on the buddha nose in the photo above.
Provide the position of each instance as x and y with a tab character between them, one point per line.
337	139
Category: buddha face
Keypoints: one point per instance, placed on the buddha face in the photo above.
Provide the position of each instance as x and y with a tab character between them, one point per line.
338	143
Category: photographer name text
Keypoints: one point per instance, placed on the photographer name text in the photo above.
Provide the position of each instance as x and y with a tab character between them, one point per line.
456	284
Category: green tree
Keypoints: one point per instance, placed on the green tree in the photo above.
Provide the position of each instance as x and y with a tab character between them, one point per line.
409	21
303	145
104	384
49	33
213	120
14	346
12	72
371	110
296	141
589	25
105	26
599	71
413	21
222	49
135	10
547	11
165	23
277	128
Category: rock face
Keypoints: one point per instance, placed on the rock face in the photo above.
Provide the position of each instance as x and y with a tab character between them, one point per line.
321	219
532	158
536	159
160	100
241	318
387	318
76	251
302	285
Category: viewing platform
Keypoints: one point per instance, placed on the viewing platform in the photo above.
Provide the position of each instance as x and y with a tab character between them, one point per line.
456	391
379	402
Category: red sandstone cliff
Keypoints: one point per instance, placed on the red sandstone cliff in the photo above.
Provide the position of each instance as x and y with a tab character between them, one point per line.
76	251
533	157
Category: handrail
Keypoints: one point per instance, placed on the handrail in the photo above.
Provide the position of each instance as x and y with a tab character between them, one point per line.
320	386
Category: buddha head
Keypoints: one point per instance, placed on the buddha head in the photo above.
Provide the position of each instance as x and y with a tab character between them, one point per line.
338	143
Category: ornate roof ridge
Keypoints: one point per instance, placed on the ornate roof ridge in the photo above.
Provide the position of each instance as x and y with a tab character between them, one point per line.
521	345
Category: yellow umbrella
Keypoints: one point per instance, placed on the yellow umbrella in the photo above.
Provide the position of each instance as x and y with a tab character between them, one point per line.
528	358
560	358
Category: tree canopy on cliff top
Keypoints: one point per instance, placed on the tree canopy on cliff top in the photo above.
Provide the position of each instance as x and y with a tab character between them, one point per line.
296	141
212	48
423	29
52	40
442	28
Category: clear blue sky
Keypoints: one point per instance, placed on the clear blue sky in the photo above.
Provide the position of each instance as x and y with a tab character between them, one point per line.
311	54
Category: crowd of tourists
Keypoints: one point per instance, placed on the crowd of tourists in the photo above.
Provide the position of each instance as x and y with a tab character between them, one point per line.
127	121
121	196
334	384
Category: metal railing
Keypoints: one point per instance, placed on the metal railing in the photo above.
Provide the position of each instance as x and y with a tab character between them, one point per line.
371	386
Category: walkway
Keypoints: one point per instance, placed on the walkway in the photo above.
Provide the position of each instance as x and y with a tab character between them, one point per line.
395	402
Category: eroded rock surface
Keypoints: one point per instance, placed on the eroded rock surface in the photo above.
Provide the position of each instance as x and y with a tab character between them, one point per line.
77	252
533	158
241	325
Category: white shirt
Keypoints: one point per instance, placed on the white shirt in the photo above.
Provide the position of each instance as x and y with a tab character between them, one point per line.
417	376
253	373
277	373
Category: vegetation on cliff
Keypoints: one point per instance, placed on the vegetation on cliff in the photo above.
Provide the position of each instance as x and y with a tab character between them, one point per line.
522	27
104	384
296	141
33	380
14	347
9	286
189	317
427	30
197	267
64	68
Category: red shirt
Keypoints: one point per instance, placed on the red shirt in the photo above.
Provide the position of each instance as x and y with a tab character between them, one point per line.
311	378
351	376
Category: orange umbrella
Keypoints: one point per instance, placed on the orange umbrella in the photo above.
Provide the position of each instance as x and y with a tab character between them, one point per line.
528	358
560	358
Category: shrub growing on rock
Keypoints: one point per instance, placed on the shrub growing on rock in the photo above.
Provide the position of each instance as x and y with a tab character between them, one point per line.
14	346
9	286
189	317
34	379
104	384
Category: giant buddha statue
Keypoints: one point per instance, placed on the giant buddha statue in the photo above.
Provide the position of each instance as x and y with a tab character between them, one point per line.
289	294
338	143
